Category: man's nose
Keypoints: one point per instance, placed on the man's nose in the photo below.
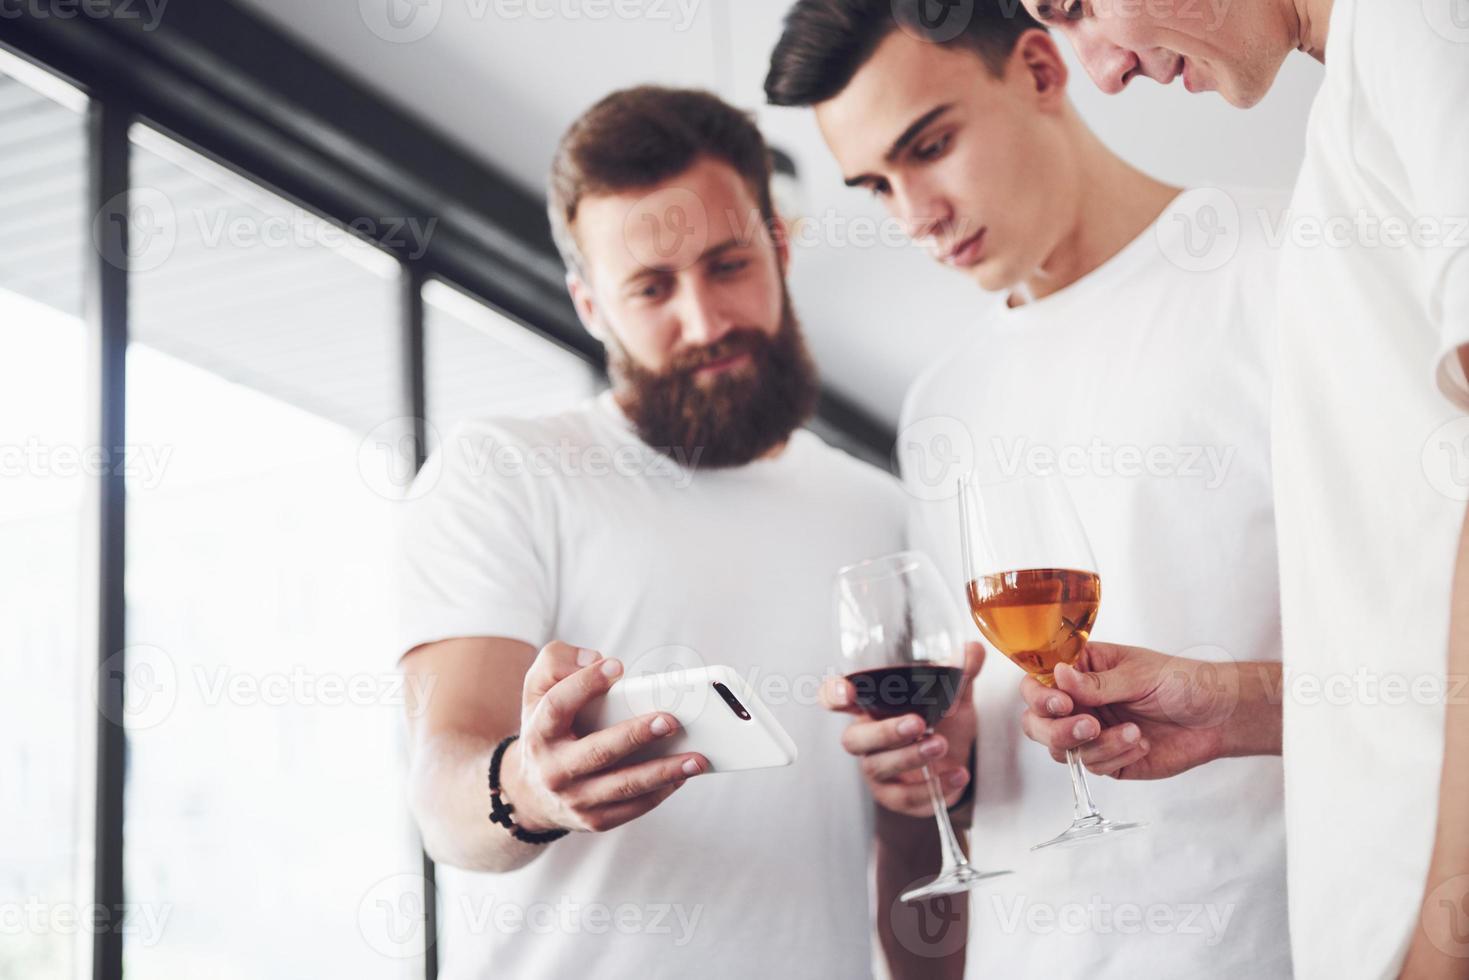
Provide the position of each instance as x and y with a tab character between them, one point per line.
702	320
921	214
1111	67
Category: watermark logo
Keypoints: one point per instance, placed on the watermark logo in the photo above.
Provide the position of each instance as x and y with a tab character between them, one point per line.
683	696
401	21
387	459
148	681
932	454
393	916
1205	686
1448	18
1202	233
1445	917
148	11
935	21
1446	459
136	230
667	229
932	928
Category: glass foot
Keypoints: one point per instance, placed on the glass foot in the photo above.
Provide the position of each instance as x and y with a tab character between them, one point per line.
951	882
1089	828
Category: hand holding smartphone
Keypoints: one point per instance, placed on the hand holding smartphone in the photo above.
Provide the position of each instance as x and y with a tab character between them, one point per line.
719	716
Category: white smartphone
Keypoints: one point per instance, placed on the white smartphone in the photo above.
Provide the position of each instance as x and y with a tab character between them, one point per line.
719	716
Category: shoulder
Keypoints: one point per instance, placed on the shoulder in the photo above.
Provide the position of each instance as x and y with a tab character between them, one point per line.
856	475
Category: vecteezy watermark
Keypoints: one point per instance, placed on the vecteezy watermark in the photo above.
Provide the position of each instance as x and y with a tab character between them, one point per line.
148	11
1449	19
1209	464
136	687
387	458
1207	921
407	21
142	465
1363	229
1446	459
1205	686
392	916
1368	688
152	686
933	928
154	226
142	922
932	454
935	21
1445	917
667	229
676	921
1202	231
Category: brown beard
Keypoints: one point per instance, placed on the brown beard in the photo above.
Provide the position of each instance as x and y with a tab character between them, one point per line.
738	418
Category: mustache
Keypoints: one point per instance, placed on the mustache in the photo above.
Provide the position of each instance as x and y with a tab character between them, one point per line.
743	340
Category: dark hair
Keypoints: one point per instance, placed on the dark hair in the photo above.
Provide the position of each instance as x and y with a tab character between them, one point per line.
825	42
640	136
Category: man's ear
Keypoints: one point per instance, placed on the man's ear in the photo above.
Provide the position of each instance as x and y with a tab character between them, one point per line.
1038	57
780	236
586	306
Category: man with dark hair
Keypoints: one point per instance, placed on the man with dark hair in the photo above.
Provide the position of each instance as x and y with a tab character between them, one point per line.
1369	425
682	519
1137	365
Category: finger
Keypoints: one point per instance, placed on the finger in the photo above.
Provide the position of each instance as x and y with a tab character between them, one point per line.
837	694
1045	701
1121	682
1060	734
974	654
630	782
1113	742
601	749
1113	765
864	737
604	818
914	800
557	709
883	766
556	662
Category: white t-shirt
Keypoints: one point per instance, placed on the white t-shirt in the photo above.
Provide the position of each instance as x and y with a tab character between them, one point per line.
1147	384
570	528
1369	488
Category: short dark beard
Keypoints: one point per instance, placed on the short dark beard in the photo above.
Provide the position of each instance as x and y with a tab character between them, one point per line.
738	418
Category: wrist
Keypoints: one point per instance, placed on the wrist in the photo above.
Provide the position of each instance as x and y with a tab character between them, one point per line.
515	791
1253	725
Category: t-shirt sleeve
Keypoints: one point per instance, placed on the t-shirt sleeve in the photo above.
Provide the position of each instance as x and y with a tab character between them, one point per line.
475	548
1420	84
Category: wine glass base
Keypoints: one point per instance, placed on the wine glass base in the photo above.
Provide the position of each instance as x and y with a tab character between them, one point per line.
1089	828
951	882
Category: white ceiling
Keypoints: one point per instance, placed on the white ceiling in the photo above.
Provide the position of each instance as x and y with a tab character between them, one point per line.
504	78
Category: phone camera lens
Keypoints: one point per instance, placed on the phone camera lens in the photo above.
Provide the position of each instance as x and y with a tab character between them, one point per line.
732	701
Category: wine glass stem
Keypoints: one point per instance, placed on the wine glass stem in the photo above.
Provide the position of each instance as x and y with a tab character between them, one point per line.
1079	791
948	840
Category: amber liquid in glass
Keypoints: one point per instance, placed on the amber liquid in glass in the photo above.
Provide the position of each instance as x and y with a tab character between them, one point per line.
1037	617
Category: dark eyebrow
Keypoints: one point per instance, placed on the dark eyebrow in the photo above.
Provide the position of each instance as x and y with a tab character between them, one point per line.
713	251
908	136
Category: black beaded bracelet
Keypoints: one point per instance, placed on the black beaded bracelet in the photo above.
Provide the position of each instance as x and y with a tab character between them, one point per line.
501	809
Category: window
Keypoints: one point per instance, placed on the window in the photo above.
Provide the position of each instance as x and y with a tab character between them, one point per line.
46	645
479	363
265	804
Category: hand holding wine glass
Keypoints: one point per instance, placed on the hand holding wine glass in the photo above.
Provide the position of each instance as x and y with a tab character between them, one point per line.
903	652
1134	713
1034	592
893	751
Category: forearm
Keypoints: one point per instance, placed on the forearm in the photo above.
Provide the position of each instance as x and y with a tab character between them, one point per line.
923	941
1434	945
1254	723
450	798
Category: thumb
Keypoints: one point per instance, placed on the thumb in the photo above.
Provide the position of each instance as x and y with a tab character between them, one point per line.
1118	682
556	662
